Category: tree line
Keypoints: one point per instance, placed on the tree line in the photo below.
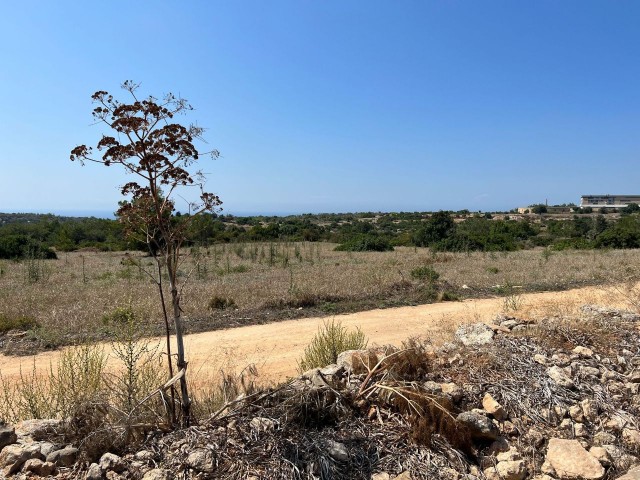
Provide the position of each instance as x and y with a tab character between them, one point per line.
42	235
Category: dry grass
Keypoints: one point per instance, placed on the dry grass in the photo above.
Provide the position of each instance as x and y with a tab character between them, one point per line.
264	281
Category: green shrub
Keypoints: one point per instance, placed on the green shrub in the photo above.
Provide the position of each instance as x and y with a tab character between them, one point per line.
425	273
331	340
493	270
221	303
119	316
365	243
17	323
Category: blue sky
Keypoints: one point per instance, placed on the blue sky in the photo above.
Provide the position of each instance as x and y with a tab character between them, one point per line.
320	106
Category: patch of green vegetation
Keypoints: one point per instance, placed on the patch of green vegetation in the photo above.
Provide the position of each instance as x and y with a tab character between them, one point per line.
23	323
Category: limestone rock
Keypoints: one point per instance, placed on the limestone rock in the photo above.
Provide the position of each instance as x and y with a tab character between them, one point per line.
631	437
583	352
633	474
480	426
38	429
570	460
589	409
7	436
601	455
109	461
621	460
338	451
201	460
63	458
604	438
403	476
94	472
474	335
509	470
452	390
493	408
13	457
559	377
157	474
380	476
262	424
38	467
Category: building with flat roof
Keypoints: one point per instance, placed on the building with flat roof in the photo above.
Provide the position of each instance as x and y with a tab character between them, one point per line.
608	201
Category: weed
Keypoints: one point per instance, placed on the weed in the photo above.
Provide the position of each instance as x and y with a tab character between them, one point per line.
220	303
425	273
331	340
493	270
17	323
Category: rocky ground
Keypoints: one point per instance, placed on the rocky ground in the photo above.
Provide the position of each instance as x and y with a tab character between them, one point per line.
515	399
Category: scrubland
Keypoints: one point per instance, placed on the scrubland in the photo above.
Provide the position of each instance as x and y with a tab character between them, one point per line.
71	299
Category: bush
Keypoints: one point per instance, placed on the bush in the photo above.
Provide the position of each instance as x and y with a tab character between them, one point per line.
17	323
221	303
425	273
331	340
365	243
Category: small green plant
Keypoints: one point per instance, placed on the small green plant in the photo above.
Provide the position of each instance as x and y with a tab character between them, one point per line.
425	273
447	296
546	254
17	323
119	317
493	270
331	340
221	303
512	298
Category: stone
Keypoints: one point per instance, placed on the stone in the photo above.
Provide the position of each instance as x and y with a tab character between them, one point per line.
7	436
631	437
452	390
493	408
145	455
480	426
432	387
620	459
576	413
589	371
570	460
338	451
632	474
262	424
559	377
474	335
603	438
38	467
94	472
583	351
541	359
634	377
580	431
39	429
157	474
110	461
13	457
63	458
589	409
601	455
500	445
509	470
47	447
380	476
201	460
510	455
347	358
403	476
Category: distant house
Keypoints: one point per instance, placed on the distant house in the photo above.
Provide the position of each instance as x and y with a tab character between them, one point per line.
608	201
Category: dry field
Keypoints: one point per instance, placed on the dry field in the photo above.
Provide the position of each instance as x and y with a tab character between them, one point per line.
70	296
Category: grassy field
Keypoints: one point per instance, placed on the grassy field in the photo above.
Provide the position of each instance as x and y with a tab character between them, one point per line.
234	284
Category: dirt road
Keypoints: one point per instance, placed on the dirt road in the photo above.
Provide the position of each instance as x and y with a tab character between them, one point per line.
275	347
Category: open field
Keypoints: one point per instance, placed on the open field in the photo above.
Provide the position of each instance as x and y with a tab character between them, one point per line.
69	297
275	348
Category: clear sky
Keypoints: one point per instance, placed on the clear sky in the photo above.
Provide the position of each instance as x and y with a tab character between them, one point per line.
334	105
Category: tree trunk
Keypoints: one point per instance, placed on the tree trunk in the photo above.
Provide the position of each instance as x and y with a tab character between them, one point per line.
177	321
